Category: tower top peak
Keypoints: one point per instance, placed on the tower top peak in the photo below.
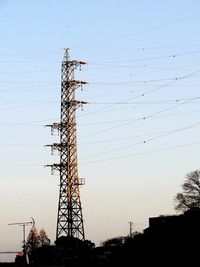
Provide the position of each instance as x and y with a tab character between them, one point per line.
66	54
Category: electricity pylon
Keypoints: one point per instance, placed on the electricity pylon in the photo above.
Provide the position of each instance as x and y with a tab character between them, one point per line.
70	218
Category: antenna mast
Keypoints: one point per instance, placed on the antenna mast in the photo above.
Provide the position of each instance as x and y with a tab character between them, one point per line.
70	218
24	224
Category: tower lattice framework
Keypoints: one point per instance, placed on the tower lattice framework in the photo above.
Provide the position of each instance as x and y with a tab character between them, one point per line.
70	217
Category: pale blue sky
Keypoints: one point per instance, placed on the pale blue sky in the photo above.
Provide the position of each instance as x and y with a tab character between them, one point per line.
137	137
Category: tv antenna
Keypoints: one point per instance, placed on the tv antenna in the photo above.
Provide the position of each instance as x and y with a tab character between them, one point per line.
24	224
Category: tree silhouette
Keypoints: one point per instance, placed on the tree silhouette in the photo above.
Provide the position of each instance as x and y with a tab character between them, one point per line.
114	242
33	239
43	238
189	198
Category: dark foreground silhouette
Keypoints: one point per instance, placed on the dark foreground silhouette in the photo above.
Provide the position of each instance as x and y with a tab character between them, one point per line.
168	241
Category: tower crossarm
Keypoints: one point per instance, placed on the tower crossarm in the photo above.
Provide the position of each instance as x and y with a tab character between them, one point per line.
74	83
71	63
75	62
60	126
54	126
55	167
56	146
75	103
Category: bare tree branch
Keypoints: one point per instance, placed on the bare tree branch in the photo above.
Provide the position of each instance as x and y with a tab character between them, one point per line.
190	196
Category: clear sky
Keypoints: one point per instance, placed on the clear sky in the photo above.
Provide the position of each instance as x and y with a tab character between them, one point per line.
138	135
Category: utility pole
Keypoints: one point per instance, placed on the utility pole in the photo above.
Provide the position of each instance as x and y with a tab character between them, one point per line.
69	218
131	229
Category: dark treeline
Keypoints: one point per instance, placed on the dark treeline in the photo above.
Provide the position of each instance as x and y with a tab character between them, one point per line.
168	241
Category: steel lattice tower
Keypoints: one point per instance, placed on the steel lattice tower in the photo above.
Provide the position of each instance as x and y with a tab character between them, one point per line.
70	218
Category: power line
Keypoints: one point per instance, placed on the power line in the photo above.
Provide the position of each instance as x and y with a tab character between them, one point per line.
144	30
23	81
129	120
21	165
25	145
145	59
145	141
26	71
147	81
148	92
128	137
142	48
107	62
143	118
142	153
94	142
100	103
152	102
32	123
